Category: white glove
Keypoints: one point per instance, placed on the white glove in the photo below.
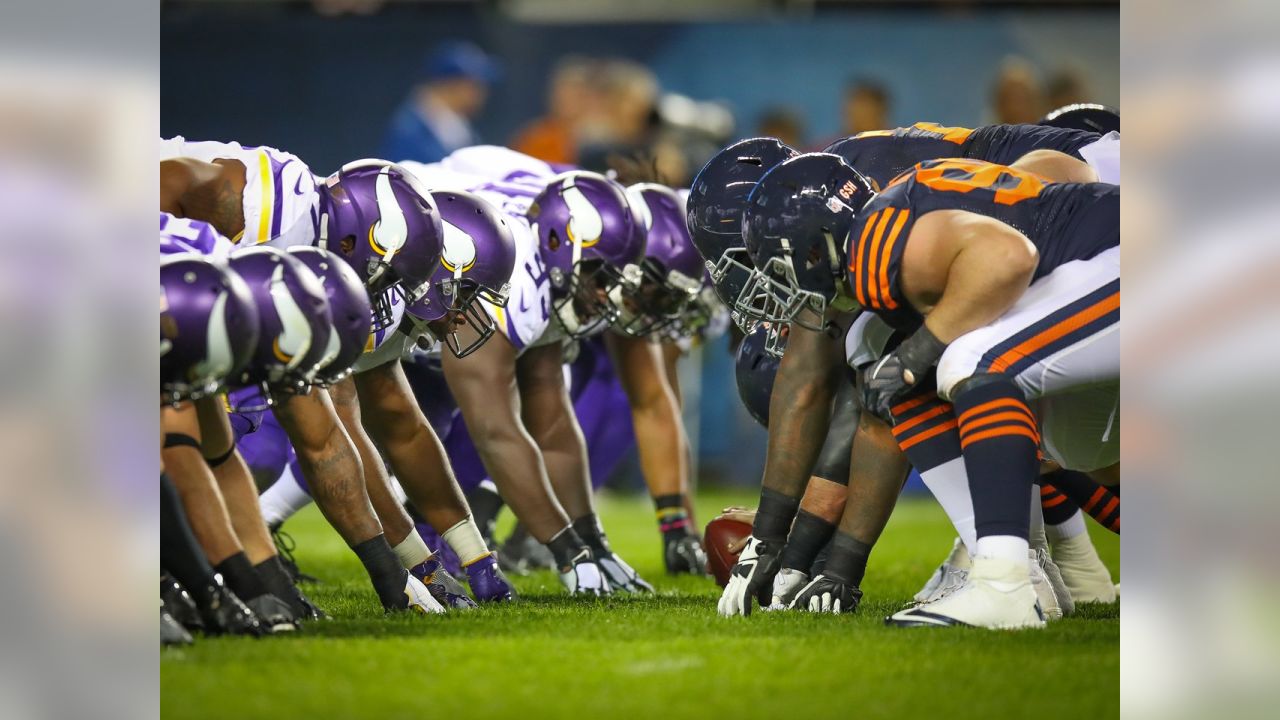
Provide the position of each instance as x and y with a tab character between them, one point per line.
420	598
620	575
751	577
786	584
584	577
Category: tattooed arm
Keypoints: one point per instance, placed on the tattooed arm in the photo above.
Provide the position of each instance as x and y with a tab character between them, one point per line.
211	192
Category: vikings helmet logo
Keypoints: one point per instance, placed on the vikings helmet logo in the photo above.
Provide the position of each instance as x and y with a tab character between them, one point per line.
585	224
295	332
389	234
459	253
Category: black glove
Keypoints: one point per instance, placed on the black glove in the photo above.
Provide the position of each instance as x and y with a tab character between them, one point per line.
828	594
684	555
899	371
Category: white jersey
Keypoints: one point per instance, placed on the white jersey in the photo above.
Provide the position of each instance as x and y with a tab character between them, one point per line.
509	180
395	341
185	235
281	204
1103	155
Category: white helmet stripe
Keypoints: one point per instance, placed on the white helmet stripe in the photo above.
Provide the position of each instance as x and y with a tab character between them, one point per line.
392	230
295	332
218	358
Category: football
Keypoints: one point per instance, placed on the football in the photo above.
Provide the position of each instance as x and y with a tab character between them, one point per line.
721	534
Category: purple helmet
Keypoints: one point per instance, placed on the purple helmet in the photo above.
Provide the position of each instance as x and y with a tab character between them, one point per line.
383	222
587	235
293	316
479	256
348	307
671	271
208	326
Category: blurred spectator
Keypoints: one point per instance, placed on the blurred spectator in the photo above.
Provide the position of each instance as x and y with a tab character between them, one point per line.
436	117
1066	87
553	137
866	107
1016	96
782	123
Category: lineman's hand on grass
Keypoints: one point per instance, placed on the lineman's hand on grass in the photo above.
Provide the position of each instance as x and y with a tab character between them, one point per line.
751	578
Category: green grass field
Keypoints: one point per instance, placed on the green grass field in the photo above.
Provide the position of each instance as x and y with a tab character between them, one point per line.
661	656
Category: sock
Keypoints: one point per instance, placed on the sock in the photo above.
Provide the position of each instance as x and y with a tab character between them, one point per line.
673	519
180	552
592	533
276	578
466	541
283	500
809	535
567	547
926	430
384	570
412	551
1099	501
240	576
847	561
774	516
1070	528
999	441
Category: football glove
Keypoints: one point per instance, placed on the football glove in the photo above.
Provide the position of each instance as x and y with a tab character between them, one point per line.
786	584
684	555
751	577
620	575
583	576
825	594
899	371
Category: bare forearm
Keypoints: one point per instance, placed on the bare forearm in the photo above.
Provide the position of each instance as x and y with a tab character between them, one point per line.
564	452
799	411
516	467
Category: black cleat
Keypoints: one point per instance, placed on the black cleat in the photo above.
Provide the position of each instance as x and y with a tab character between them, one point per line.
285	545
273	613
171	632
522	554
177	602
226	614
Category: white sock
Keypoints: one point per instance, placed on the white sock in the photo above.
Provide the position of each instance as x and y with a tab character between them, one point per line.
1069	528
466	541
949	483
412	551
1005	547
283	500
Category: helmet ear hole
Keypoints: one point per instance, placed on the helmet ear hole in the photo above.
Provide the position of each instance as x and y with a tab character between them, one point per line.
347	245
553	240
814	257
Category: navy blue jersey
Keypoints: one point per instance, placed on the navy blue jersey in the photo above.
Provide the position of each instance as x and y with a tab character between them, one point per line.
1065	221
883	155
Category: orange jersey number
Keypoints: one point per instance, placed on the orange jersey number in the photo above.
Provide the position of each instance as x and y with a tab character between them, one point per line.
955	135
1008	184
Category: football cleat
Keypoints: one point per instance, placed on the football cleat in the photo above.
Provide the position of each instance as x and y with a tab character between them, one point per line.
949	576
786	584
284	548
273	613
1060	591
997	595
1087	579
487	582
684	555
443	587
177	603
1045	595
226	614
619	574
584	577
172	632
418	598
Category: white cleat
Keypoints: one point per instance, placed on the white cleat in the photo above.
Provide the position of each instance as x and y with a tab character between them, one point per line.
1087	579
1060	590
1045	595
949	576
420	599
997	595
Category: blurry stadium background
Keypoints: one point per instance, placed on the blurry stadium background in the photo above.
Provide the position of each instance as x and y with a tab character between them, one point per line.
577	80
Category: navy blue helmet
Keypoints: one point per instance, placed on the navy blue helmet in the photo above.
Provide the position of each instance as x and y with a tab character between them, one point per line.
756	369
1085	116
796	228
714	210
